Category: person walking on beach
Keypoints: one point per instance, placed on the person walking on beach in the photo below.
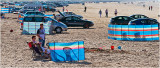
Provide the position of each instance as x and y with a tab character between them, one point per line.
100	13
63	9
41	35
85	9
115	12
106	12
151	8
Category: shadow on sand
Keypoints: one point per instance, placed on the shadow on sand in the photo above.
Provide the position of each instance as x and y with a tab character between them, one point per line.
76	62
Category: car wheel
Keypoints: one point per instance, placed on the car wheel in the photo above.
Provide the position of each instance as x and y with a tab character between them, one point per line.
58	30
86	26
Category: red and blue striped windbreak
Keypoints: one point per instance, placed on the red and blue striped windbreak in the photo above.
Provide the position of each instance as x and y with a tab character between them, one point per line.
133	32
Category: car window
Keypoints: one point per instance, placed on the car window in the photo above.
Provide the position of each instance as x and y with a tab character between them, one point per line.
38	19
75	18
142	16
39	13
143	21
153	22
126	18
30	13
47	19
69	18
120	18
28	19
136	16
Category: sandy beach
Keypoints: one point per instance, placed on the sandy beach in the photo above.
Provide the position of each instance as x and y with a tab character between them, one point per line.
15	51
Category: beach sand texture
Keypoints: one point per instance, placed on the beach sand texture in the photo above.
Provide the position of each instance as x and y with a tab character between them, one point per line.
15	52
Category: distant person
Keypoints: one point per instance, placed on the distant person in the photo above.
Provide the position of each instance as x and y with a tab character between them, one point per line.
54	16
100	13
106	12
39	9
151	8
143	5
67	10
41	35
115	12
63	9
85	9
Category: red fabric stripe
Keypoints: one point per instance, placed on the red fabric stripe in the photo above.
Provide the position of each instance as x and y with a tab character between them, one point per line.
133	30
134	35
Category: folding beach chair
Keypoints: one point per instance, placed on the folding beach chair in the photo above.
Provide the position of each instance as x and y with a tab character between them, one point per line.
34	53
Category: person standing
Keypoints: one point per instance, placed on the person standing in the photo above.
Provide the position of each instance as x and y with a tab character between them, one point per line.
39	9
151	8
63	9
106	12
100	13
85	9
54	16
41	35
115	12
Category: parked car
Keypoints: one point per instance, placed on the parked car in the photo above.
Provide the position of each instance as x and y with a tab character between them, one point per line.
63	14
56	26
144	21
120	20
49	8
72	21
15	10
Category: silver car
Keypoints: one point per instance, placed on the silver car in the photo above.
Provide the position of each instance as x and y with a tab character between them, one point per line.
32	24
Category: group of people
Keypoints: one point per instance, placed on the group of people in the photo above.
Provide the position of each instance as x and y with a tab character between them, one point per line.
150	8
39	46
106	12
100	12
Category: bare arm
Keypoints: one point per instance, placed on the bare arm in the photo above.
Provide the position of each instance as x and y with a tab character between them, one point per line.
39	36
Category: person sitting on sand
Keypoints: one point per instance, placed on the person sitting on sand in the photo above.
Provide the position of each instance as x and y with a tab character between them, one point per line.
39	49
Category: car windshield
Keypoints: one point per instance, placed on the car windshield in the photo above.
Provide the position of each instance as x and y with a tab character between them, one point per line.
50	19
70	13
33	19
75	18
34	13
17	8
143	16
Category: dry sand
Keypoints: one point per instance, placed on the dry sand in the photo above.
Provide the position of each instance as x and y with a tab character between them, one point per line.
15	52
